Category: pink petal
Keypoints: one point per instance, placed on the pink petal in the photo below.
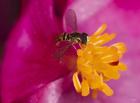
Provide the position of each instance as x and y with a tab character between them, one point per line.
29	61
125	22
122	18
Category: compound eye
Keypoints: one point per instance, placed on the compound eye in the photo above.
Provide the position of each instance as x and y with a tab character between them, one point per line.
84	38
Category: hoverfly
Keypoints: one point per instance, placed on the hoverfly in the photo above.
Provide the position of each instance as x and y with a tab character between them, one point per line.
72	36
70	22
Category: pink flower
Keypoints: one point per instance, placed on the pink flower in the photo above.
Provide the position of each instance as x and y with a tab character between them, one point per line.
29	65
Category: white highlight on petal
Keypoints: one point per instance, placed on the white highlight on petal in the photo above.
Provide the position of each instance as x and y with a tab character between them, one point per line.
87	8
52	92
24	41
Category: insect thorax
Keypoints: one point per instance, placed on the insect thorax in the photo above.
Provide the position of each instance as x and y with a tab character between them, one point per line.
74	37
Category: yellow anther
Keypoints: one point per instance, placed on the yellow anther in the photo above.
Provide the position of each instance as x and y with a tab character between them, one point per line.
107	90
100	40
100	30
96	81
122	66
85	88
76	82
97	64
121	48
110	73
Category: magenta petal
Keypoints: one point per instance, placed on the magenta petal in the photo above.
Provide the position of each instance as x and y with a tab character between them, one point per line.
27	66
124	22
53	93
29	59
128	4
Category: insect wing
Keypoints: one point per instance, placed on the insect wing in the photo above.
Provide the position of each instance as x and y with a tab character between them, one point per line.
61	51
70	21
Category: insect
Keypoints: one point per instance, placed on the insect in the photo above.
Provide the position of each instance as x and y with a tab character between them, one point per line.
72	36
70	22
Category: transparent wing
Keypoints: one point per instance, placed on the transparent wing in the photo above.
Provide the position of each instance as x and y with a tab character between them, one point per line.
61	51
70	25
70	21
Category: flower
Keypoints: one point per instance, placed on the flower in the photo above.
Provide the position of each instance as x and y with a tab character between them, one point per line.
21	82
98	64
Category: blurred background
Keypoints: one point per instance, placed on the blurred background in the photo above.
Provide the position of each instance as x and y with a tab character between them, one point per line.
9	13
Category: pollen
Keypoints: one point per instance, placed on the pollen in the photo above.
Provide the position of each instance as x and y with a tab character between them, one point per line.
97	64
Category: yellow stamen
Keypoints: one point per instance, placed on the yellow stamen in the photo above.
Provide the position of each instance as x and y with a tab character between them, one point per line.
100	40
97	64
107	90
85	88
76	82
122	66
100	30
96	81
120	46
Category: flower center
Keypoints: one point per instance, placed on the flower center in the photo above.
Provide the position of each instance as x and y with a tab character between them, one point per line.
97	64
